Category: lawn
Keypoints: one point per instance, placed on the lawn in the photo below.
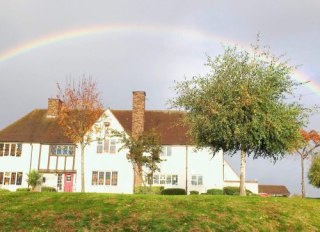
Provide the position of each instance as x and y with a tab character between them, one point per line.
28	211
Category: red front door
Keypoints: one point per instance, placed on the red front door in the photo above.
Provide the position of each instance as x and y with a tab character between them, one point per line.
68	182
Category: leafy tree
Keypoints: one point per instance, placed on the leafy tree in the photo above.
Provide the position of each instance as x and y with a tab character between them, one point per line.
241	105
309	146
34	179
143	153
81	108
314	172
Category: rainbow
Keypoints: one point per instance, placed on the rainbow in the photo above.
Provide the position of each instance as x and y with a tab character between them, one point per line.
118	28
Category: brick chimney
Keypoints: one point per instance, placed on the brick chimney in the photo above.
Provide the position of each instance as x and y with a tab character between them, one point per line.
54	106
138	108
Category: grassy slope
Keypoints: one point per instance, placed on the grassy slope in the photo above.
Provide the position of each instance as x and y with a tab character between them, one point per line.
104	212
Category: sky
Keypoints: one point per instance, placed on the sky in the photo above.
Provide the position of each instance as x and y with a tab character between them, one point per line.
147	45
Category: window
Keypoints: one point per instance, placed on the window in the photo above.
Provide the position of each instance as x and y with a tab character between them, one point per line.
1	149
94	178
59	181
114	179
13	150
174	179
156	179
166	151
165	179
104	178
196	180
107	146
108	178
63	150
19	178
101	178
11	178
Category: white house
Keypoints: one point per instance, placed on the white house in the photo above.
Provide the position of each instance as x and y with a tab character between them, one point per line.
37	142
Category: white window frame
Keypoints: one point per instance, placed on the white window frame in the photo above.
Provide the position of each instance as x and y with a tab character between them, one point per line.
11	149
107	146
62	150
165	179
196	180
166	151
8	175
104	178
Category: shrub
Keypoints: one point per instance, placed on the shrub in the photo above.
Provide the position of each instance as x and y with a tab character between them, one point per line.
23	190
148	189
194	192
34	179
214	192
173	191
234	191
48	189
4	190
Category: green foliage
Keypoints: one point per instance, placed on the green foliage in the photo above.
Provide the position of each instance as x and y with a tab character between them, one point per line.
34	179
228	190
241	104
48	189
148	189
143	151
173	191
314	172
23	190
4	190
194	192
214	192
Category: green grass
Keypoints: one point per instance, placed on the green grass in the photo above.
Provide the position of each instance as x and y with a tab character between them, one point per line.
29	211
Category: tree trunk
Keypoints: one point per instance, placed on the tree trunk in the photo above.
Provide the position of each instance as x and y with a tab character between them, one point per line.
303	192
243	174
82	169
137	175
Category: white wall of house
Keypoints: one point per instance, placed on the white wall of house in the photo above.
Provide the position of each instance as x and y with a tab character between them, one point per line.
24	164
105	162
188	163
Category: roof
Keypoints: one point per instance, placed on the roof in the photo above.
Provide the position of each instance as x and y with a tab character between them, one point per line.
35	127
274	190
167	123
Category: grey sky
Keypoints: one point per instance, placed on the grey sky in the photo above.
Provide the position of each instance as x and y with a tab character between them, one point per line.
178	37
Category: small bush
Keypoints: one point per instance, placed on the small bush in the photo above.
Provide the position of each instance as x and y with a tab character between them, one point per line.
23	190
4	190
148	189
234	191
48	189
194	192
173	191
214	192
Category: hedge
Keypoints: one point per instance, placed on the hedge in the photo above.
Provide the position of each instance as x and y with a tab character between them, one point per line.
4	190
173	191
194	192
214	192
234	191
148	189
23	190
48	189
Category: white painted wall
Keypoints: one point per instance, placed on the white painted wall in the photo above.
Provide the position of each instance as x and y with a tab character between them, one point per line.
185	161
105	162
